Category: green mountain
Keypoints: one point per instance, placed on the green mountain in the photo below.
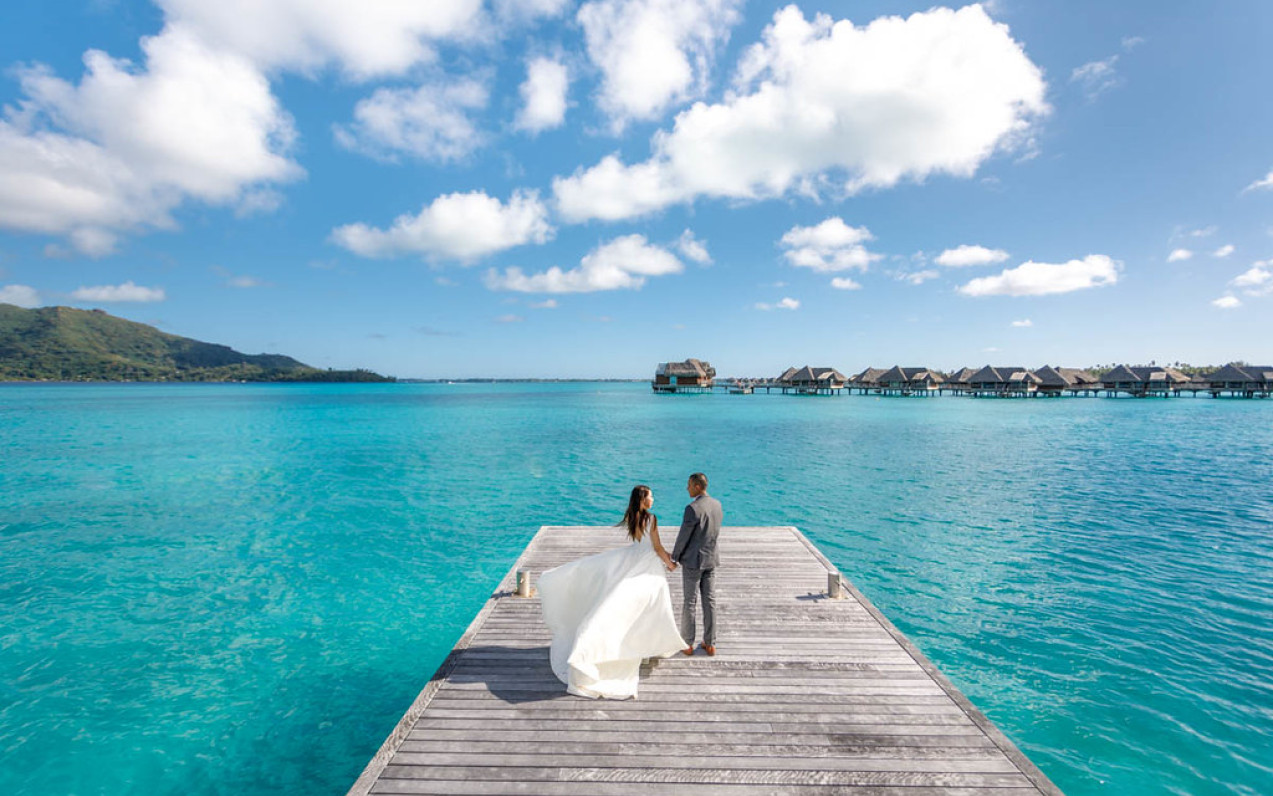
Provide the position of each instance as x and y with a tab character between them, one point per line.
66	344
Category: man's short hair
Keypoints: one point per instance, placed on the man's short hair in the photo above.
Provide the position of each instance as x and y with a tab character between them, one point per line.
699	480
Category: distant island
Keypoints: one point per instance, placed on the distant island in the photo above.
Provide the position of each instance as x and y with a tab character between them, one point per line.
67	344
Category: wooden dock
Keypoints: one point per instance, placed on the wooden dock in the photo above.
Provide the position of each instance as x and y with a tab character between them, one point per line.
806	695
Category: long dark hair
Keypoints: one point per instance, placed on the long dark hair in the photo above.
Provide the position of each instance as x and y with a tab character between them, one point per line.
636	516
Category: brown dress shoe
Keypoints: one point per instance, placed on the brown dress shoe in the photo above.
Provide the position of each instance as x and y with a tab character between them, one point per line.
687	651
710	649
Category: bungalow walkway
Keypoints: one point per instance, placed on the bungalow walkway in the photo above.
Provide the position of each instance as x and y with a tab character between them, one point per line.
807	695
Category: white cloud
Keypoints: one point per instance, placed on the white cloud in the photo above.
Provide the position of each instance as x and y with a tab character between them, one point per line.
1023	324
127	145
693	248
787	303
623	263
374	38
245	282
1227	302
127	292
1203	232
1224	251
1097	77
828	247
653	53
1041	279
20	295
966	255
1257	280
919	277
546	304
431	122
1179	255
845	283
1132	42
1267	182
509	319
543	95
938	92
460	226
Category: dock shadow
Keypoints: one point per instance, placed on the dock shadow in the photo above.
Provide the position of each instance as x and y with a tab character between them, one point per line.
516	675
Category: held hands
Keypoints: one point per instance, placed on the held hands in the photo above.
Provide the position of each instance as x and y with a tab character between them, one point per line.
670	564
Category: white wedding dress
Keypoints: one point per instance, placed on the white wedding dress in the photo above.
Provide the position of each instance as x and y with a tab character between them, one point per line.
607	613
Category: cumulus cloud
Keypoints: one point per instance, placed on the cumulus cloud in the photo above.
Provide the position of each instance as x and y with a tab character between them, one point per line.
431	122
1097	77
20	295
459	226
845	283
1256	280
828	247
543	95
1224	251
1179	255
653	53
127	292
1267	182
787	303
938	92
624	263
127	145
1203	232
374	38
1041	279
966	255
1227	302
693	249
1023	324
546	304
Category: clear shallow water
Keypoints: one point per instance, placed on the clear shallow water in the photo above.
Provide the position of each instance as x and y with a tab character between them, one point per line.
240	588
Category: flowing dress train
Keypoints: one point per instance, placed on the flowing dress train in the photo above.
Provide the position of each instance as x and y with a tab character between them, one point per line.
607	612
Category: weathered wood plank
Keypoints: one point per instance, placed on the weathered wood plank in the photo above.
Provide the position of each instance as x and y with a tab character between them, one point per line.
807	695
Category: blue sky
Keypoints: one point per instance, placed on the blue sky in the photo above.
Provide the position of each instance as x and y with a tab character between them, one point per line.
548	188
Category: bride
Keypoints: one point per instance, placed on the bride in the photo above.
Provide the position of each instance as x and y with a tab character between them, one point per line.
609	611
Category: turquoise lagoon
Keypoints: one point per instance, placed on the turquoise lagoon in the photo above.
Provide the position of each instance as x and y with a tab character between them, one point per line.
239	588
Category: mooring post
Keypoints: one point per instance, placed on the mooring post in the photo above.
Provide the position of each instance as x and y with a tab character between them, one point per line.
523	583
835	588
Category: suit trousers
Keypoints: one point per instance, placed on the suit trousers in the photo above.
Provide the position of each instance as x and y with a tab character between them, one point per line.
696	582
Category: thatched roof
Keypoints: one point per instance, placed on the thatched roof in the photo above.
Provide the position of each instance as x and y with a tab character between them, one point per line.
1145	374
897	374
811	375
1078	377
962	376
690	367
1259	374
1051	377
868	376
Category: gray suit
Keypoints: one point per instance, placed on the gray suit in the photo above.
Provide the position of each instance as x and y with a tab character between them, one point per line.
695	551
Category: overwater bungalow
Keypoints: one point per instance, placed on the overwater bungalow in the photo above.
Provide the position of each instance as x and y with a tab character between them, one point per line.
910	381
692	375
1142	381
1003	382
867	381
959	382
1246	381
812	381
1058	381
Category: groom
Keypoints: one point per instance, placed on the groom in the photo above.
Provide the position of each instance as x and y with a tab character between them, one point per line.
695	551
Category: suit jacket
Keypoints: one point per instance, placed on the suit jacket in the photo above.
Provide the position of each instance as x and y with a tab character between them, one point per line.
696	543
